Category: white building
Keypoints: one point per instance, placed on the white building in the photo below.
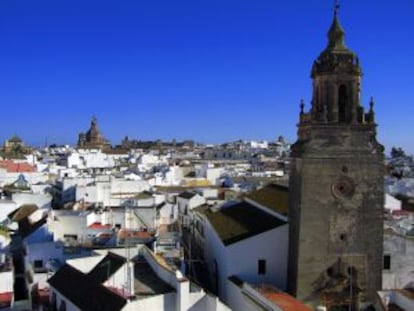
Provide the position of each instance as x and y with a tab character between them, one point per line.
9	177
209	172
258	144
126	279
110	191
391	203
186	201
6	287
147	162
90	159
43	201
171	177
398	267
66	187
396	300
235	241
167	213
6	207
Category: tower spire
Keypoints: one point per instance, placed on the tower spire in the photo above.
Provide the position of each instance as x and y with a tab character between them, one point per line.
336	33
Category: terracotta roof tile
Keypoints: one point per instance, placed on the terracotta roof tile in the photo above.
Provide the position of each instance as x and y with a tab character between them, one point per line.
283	300
98	225
13	167
5	299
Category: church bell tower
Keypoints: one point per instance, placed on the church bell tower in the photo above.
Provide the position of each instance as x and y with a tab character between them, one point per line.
336	187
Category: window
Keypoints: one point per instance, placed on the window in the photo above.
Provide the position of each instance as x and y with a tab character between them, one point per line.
342	103
261	267
387	262
70	237
38	264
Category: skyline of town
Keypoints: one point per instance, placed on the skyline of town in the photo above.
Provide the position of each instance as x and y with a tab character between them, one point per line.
211	72
138	211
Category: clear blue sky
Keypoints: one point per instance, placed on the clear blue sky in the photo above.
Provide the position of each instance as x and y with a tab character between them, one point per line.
209	70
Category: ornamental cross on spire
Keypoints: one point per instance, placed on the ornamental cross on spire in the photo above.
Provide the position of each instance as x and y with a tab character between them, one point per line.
336	7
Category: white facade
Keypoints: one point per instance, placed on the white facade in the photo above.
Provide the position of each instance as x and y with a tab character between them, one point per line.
258	144
110	191
400	274
209	172
185	205
67	172
6	284
7	178
67	225
403	299
6	207
42	201
242	258
391	203
167	214
172	177
85	159
41	188
148	161
68	187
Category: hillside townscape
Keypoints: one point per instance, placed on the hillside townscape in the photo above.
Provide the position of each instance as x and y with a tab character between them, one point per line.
325	222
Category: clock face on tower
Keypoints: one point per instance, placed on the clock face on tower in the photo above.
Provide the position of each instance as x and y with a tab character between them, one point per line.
343	188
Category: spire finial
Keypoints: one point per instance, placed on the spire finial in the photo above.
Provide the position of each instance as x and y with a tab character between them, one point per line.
93	121
370	116
336	33
302	106
336	7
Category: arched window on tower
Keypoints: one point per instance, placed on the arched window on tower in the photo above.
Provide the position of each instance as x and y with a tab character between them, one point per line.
342	104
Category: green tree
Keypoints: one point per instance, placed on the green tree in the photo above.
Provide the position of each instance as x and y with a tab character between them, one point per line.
397	152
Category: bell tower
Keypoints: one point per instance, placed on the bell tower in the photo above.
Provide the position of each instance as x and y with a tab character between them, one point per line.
336	187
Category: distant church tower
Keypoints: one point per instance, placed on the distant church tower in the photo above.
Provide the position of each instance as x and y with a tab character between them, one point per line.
336	188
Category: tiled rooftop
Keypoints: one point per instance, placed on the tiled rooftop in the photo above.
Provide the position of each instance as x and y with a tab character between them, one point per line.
22	212
106	267
98	225
147	283
13	167
5	299
272	196
283	300
84	292
240	221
